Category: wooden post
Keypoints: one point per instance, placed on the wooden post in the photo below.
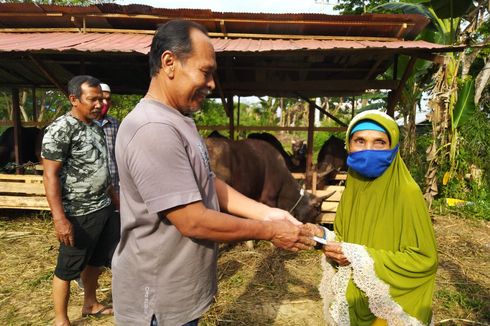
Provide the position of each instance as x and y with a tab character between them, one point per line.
17	130
309	148
238	116
229	103
394	95
34	105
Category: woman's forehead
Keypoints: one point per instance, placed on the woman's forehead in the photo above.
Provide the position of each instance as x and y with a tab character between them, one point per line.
369	134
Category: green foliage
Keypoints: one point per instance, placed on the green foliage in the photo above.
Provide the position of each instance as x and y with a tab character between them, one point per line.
356	7
452	299
122	105
465	106
212	113
471	178
417	163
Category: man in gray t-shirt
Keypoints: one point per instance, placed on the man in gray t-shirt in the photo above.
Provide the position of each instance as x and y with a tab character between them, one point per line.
77	182
164	268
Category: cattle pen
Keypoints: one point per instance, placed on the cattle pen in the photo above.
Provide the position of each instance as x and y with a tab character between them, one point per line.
26	191
19	191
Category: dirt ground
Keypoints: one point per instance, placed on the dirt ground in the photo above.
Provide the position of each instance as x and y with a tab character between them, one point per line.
263	286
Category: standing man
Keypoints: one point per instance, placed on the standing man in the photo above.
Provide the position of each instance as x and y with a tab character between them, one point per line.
110	126
164	268
77	182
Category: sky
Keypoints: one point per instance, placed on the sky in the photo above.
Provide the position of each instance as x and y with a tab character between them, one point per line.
268	6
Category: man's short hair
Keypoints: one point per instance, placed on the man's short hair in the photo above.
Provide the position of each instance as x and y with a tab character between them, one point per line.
75	84
172	36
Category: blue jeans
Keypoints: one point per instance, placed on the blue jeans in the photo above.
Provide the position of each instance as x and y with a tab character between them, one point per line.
195	322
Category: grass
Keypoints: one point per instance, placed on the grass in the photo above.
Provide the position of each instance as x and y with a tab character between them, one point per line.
261	286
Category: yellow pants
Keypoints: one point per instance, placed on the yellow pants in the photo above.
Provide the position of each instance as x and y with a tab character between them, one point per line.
379	322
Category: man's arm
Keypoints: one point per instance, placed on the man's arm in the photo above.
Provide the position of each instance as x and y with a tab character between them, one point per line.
196	221
237	204
52	185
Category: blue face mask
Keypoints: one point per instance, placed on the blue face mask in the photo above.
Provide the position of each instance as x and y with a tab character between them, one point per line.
371	163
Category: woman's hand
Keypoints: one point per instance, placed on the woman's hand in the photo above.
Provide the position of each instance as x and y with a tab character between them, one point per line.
333	250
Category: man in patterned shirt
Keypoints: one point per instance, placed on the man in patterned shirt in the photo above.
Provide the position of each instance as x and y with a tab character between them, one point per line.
77	183
110	127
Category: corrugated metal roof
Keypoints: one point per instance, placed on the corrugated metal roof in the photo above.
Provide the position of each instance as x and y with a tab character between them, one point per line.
141	17
131	43
257	54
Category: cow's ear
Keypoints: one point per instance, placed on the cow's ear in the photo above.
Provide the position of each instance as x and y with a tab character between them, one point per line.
316	201
322	198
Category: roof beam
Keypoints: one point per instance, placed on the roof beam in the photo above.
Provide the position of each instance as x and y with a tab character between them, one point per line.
51	78
311	86
224	35
212	19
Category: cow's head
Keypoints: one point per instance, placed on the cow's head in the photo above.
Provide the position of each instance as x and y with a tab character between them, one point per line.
309	207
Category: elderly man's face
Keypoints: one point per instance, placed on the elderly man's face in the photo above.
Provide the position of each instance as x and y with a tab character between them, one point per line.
193	76
88	106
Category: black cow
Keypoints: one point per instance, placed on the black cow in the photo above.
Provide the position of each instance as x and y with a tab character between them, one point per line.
296	165
332	158
30	145
256	170
216	134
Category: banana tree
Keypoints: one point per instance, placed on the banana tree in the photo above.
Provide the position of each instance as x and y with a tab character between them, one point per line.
445	17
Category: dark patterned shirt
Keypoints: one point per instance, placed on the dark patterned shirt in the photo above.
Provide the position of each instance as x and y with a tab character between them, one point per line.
84	175
110	126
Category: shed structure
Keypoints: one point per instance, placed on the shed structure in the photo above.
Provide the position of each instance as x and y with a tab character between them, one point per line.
282	55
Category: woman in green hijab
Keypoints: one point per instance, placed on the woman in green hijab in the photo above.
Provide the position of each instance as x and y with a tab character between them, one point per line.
384	249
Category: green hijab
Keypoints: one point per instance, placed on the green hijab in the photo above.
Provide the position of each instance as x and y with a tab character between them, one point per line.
388	237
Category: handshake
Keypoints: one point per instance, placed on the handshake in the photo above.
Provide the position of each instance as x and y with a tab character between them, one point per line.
290	234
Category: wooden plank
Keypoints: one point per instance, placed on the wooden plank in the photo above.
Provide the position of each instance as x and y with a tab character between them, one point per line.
298	175
326	218
340	176
24	202
21	177
22	188
329	206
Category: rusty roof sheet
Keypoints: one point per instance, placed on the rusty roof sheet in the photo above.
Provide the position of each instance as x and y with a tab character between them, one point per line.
141	17
257	54
140	43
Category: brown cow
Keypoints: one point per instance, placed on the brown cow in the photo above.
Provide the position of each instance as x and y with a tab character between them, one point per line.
332	158
257	170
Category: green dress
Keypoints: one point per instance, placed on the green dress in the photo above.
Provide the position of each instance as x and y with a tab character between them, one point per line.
387	235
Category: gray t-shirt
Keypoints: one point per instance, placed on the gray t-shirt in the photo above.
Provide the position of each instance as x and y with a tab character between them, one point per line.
84	175
163	163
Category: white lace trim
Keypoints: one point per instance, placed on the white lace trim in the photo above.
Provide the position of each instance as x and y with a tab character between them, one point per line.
381	303
361	268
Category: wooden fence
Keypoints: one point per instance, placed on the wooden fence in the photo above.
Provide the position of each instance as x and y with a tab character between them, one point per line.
22	192
27	192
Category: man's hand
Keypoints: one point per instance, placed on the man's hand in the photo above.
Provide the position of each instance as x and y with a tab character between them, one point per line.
312	230
64	231
334	251
276	214
290	237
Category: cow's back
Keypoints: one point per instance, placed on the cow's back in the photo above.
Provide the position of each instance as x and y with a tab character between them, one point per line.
252	167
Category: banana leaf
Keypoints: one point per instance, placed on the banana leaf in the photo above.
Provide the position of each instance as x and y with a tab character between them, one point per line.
451	8
405	8
465	106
